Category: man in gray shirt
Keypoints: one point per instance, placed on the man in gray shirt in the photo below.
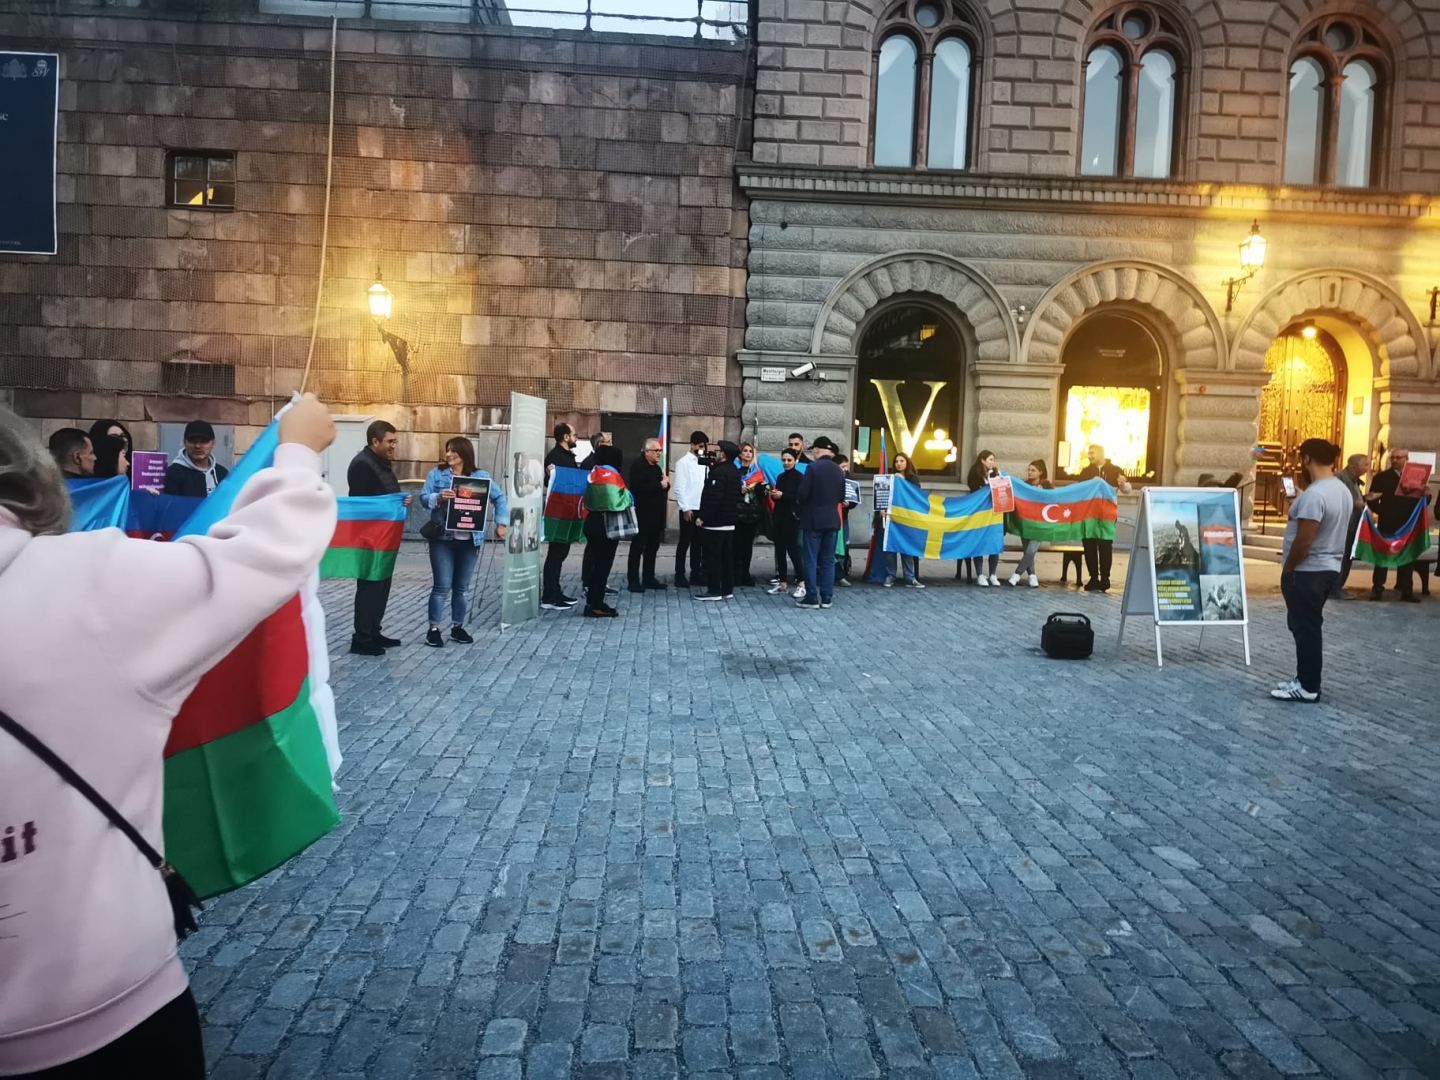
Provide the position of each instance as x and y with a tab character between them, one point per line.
1315	539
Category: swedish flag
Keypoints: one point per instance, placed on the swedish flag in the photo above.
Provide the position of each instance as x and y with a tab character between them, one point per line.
936	527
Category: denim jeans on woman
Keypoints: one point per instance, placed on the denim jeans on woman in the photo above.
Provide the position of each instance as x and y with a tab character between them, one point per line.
452	564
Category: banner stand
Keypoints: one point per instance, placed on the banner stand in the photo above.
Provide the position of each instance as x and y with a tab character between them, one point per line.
1214	514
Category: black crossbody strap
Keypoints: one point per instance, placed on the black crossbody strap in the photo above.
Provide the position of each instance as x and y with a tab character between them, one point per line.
79	783
182	897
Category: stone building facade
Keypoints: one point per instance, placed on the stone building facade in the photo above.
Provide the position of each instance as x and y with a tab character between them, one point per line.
1021	255
554	212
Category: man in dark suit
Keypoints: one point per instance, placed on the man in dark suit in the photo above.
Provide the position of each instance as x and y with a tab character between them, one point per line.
1393	506
651	488
822	491
371	472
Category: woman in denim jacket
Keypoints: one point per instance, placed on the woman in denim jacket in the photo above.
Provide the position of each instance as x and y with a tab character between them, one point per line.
452	554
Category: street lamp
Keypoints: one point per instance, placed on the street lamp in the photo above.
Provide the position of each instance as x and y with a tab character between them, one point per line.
1252	258
381	302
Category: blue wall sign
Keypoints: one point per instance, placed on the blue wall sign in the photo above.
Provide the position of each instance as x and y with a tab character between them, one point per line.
29	104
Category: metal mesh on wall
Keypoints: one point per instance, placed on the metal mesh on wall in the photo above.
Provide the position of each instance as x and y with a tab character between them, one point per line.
553	213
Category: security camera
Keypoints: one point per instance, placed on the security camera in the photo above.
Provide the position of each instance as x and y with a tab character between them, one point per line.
804	369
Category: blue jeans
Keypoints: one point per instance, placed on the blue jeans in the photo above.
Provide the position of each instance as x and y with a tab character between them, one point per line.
452	564
820	569
1305	594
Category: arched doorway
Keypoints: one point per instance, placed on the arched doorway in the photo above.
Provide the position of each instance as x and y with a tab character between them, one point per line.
1305	395
1112	393
909	387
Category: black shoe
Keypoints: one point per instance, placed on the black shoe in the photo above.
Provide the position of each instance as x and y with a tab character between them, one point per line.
635	586
1410	598
1092	585
710	596
367	648
808	603
557	605
599	613
387	642
433	638
681	581
458	633
609	610
1105	585
653	584
1376	594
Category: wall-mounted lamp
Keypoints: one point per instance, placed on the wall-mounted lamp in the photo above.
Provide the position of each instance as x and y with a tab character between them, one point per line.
381	302
1434	298
1020	312
1252	258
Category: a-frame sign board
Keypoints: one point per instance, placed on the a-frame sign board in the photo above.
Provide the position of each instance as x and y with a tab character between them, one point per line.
1187	568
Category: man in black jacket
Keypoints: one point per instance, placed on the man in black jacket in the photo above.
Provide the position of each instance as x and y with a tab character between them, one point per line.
1099	554
650	487
1392	507
372	472
716	518
561	456
822	491
195	472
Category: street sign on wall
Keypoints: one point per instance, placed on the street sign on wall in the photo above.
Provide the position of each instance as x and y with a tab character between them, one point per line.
29	115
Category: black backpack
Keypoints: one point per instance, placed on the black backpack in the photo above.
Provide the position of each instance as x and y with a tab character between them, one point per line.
1067	636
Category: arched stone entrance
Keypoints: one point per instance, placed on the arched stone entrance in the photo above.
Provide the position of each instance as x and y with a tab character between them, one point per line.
1391	390
1211	410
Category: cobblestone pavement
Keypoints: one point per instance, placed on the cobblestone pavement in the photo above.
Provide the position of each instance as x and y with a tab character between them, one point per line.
890	839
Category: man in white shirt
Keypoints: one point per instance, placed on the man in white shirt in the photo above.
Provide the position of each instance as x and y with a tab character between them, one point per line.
1315	539
690	474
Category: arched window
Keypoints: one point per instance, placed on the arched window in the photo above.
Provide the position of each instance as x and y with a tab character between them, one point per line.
895	102
1112	393
924	86
1336	106
1134	72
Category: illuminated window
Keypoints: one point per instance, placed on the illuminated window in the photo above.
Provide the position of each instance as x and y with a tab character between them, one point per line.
1111	394
907	387
201	179
1131	120
1336	106
924	86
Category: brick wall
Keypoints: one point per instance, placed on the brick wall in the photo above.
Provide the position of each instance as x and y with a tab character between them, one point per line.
554	212
814	83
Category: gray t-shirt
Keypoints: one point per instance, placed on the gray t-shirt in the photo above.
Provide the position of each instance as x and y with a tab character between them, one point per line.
1329	502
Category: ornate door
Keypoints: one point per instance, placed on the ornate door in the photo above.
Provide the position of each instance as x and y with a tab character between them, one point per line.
1302	400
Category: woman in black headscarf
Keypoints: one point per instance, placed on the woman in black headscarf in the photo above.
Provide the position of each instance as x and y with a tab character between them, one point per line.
113	428
112	456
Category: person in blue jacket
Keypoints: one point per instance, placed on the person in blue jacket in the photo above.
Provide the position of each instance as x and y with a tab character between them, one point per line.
453	554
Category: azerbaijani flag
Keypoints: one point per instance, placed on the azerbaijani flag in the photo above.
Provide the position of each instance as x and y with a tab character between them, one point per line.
1406	546
565	506
937	527
1082	511
772	466
250	763
367	537
158	517
97	504
606	492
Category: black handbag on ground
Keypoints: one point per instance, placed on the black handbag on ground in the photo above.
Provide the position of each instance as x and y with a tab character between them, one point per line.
182	897
1067	636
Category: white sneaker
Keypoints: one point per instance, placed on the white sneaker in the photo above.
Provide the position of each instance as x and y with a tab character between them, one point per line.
1294	692
1287	684
889	583
1014	580
778	589
799	592
915	583
982	581
1034	582
995	580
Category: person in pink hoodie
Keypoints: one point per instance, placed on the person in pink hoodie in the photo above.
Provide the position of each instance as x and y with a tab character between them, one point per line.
90	983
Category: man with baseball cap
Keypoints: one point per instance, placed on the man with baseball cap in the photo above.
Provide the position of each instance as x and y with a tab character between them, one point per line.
194	471
822	490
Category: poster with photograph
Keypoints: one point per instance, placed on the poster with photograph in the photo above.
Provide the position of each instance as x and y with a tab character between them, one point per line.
1195	549
881	492
465	513
525	490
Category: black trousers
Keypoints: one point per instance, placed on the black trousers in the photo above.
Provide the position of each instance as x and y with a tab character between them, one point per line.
1099	554
744	543
602	556
1404	578
690	541
719	561
787	544
166	1046
370	600
643	548
555	556
1305	594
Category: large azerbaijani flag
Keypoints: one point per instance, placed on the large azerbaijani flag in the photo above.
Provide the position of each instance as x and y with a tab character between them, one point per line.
97	504
367	537
1083	511
1400	549
605	491
941	527
565	506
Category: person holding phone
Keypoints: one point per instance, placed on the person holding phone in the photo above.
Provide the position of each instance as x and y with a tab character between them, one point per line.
453	554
